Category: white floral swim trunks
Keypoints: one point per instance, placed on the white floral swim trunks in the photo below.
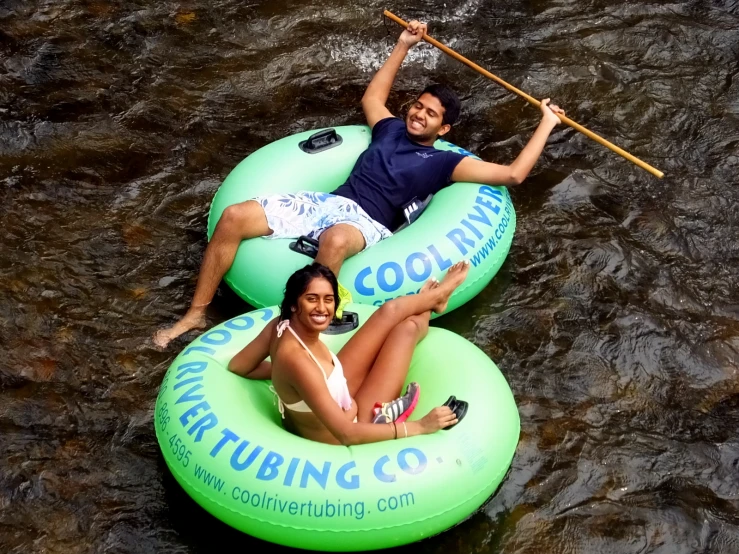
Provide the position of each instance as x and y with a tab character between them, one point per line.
311	213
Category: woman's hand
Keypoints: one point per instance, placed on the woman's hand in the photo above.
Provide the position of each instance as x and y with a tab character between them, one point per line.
413	33
438	418
548	113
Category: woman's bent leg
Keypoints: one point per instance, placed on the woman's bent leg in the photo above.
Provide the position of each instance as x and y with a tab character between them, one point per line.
389	370
360	352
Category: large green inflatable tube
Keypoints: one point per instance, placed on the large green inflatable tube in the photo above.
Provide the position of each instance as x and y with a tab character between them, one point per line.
464	221
222	438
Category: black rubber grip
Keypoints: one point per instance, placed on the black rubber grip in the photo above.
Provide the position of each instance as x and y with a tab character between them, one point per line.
321	141
305	245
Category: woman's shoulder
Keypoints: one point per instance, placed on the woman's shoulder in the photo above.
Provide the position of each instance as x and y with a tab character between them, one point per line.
289	356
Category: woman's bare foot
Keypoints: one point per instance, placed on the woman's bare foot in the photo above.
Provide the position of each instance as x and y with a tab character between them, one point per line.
453	278
191	320
430	284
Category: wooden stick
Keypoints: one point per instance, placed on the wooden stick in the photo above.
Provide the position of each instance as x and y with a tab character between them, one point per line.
531	99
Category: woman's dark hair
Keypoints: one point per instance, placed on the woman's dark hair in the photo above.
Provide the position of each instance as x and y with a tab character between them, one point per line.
298	283
448	99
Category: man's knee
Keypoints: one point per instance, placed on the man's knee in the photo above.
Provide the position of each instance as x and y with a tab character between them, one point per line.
336	242
238	214
343	240
243	218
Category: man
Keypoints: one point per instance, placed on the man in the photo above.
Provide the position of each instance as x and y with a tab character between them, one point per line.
399	165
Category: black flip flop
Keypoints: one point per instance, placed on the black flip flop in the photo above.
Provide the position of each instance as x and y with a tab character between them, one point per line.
459	407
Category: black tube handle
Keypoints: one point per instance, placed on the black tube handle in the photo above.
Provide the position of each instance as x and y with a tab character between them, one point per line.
321	141
305	245
348	322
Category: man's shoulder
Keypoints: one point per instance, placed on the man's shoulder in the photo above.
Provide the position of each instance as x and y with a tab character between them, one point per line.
386	127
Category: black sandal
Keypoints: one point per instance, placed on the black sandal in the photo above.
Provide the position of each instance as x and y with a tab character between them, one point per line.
459	407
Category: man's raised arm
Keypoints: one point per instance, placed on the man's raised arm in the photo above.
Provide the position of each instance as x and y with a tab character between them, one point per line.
476	171
375	97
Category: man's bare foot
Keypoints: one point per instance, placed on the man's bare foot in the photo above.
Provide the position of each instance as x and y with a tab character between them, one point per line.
453	278
189	321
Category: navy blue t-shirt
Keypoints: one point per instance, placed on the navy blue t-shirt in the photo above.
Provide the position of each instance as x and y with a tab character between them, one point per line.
394	170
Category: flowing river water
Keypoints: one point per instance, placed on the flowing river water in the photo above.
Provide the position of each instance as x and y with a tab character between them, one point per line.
615	318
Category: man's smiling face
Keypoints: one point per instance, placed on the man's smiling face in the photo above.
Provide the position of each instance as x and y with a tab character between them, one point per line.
425	120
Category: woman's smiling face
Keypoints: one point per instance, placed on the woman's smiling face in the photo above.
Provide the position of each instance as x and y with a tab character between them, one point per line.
317	305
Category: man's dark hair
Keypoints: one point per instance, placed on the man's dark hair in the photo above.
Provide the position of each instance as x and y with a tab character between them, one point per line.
298	283
448	99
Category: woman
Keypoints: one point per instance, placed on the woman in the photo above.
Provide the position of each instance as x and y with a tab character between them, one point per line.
347	398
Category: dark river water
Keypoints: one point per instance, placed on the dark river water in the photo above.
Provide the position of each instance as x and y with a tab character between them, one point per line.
615	318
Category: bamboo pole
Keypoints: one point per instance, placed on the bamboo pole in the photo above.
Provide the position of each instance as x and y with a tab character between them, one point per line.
597	138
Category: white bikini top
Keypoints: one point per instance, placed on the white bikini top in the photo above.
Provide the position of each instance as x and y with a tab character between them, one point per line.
336	382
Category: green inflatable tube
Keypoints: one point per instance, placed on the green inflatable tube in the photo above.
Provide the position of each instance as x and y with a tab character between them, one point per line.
464	221
222	438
